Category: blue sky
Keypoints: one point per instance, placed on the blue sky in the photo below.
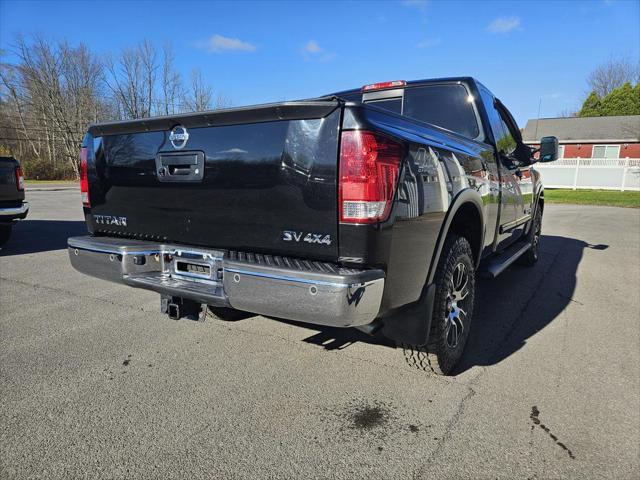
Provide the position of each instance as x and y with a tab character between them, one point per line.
255	52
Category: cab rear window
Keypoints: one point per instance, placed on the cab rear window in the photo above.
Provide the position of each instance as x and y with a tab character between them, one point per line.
448	106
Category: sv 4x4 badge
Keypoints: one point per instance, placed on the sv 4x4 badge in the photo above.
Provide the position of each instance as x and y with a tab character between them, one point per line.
293	236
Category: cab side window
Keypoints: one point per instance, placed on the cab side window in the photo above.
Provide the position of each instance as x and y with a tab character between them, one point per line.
512	152
506	143
494	117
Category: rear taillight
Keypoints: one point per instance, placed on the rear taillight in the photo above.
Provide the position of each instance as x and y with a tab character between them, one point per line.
84	178
369	165
19	179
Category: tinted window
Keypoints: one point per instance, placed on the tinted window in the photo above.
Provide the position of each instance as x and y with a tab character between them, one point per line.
494	117
392	104
352	97
507	143
446	106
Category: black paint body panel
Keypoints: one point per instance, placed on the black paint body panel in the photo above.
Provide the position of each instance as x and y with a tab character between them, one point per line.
259	179
10	196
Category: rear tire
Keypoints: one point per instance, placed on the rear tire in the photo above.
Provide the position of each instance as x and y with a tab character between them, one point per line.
227	314
452	310
5	233
530	258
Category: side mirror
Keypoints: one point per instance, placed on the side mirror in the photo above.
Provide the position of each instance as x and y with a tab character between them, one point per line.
548	149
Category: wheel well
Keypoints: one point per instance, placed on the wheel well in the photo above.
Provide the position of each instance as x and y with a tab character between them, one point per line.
467	223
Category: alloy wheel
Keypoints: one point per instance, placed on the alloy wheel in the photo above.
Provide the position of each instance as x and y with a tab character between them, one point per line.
456	311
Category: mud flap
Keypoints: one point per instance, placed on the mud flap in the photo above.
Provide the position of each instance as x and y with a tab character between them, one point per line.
411	325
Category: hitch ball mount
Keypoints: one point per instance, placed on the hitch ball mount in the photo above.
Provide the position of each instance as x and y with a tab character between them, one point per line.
178	308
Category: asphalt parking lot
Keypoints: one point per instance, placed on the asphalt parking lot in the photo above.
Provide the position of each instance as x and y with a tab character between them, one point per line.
96	383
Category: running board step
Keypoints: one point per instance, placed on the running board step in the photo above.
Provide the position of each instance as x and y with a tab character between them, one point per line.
498	264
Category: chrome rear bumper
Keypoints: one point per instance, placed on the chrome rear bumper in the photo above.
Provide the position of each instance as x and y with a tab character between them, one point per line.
312	292
14	213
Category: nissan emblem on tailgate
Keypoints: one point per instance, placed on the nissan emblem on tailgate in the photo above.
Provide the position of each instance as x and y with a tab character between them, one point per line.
178	137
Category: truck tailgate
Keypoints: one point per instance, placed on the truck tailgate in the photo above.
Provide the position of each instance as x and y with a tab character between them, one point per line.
9	193
257	179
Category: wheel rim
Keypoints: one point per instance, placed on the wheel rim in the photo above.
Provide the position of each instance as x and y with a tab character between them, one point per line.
457	305
536	238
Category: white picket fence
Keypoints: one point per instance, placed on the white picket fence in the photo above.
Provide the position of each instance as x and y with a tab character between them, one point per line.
597	173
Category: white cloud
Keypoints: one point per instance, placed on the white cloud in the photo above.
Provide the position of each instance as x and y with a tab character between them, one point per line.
218	43
312	47
504	24
313	51
429	42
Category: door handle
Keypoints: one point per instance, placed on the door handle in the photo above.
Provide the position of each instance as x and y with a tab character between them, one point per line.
181	170
180	167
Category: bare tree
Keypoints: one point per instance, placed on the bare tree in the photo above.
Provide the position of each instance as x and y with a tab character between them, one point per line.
52	94
53	90
200	95
148	58
14	106
131	78
172	90
612	74
567	113
222	101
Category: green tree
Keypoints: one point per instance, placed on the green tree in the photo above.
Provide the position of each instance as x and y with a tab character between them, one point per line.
591	106
624	100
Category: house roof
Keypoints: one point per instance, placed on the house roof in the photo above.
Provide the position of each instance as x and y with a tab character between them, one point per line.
584	129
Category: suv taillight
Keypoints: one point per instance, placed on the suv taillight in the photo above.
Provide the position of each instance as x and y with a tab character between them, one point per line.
19	179
84	178
369	165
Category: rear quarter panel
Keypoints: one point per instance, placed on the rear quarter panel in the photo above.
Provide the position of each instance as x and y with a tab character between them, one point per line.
438	166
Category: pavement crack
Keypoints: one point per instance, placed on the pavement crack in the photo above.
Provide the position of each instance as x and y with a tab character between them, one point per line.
569	298
451	424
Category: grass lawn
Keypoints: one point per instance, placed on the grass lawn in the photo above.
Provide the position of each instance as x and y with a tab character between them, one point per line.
593	197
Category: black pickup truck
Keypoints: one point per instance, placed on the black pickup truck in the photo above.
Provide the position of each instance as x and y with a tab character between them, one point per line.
12	204
371	208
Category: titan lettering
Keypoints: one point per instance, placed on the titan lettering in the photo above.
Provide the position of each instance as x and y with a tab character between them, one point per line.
110	220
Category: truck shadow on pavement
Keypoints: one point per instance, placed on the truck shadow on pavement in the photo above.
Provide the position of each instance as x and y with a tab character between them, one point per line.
33	236
522	301
508	310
